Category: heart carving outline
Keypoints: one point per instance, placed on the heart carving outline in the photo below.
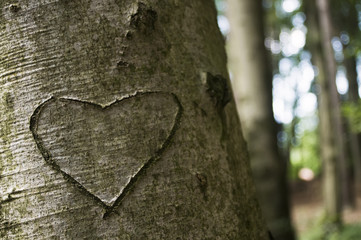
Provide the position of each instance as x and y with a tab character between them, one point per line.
34	120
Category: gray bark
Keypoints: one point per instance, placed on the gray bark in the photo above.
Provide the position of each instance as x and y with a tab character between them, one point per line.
331	123
348	21
328	145
117	123
252	82
354	138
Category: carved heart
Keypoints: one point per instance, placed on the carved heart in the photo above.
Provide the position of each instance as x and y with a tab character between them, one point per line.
104	150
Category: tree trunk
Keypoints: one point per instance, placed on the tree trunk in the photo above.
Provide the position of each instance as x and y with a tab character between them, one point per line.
252	81
350	64
331	124
117	123
351	19
354	138
330	174
347	20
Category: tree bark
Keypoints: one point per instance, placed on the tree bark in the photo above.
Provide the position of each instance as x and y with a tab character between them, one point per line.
117	123
347	21
252	82
350	64
328	146
331	124
351	27
354	138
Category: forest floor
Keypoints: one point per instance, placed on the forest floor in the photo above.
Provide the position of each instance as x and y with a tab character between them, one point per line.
307	206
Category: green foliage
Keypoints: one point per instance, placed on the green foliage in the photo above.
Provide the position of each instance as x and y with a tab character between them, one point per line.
305	154
314	234
348	232
352	111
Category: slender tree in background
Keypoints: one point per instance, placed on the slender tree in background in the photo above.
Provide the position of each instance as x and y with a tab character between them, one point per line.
252	82
117	123
319	26
347	25
354	138
345	17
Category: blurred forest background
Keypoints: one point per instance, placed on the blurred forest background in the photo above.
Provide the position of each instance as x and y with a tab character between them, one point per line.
294	67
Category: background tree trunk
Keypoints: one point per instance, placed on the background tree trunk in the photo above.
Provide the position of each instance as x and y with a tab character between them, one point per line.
349	22
252	81
116	123
354	138
330	173
333	151
346	22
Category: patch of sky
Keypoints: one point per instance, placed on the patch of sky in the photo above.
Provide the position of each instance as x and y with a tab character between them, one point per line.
223	24
338	49
307	105
290	6
358	68
298	19
284	96
292	41
341	81
285	65
291	85
345	38
221	6
273	45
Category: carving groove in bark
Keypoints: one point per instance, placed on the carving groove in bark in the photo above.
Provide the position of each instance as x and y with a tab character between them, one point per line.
81	181
203	184
14	8
218	90
144	20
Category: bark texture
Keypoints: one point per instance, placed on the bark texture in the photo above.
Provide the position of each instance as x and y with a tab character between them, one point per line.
354	138
117	123
349	20
252	82
320	31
